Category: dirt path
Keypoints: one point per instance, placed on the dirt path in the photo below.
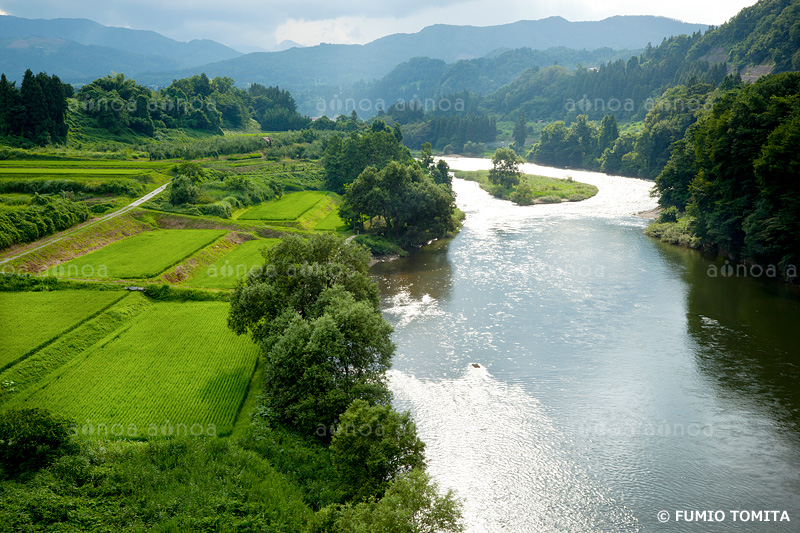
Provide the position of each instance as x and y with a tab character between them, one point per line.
60	236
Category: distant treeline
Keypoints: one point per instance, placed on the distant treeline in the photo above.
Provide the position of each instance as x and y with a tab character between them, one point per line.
197	103
36	112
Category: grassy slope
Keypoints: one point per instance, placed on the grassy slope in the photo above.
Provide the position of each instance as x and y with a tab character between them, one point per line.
228	269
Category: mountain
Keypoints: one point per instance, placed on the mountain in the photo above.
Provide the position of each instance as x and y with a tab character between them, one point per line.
451	43
760	39
80	50
326	71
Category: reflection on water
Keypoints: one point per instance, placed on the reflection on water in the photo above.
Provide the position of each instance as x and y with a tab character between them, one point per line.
618	379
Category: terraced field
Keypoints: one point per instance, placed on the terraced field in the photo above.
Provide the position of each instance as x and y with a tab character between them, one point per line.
142	256
290	207
175	368
227	270
31	319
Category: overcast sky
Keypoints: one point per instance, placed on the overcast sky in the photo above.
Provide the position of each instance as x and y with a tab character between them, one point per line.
253	24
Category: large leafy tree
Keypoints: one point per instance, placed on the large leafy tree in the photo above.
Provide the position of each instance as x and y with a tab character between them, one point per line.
401	201
372	446
313	310
505	168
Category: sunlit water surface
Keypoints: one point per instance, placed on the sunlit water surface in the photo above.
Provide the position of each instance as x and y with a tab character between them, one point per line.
617	377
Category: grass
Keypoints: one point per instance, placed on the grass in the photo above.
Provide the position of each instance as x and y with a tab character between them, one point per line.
173	369
227	270
332	222
543	188
290	207
31	319
144	256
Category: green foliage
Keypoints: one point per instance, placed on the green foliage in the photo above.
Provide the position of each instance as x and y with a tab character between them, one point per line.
380	246
372	446
345	159
745	195
505	168
46	216
30	439
317	367
520	132
412	504
183	484
35	113
668	215
402	202
313	309
183	191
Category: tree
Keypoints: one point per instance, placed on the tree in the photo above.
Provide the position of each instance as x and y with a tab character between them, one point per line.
412	504
401	201
317	367
372	446
295	273
609	133
505	168
520	132
183	191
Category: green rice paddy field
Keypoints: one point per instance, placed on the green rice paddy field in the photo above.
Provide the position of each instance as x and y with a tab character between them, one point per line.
290	207
171	366
142	256
31	319
234	265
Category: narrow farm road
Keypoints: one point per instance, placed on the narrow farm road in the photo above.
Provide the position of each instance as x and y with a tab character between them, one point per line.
50	240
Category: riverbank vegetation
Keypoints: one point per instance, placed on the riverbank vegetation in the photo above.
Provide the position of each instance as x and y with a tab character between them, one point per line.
732	177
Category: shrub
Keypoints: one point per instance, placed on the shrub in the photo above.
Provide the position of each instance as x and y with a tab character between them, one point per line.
550	200
670	214
30	439
577	197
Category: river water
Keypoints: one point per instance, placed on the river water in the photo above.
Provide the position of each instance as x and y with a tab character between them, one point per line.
619	377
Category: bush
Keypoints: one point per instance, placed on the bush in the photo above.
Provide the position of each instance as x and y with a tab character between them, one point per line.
670	214
577	197
550	200
30	439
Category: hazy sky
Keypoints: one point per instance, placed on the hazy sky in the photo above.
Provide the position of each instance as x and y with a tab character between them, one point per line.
251	24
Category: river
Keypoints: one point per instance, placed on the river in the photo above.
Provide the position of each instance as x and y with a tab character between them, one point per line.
619	377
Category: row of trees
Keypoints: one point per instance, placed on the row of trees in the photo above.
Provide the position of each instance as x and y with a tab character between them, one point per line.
119	103
45	215
314	311
36	112
736	172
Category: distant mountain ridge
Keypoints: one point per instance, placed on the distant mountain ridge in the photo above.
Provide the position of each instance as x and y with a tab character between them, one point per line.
57	46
